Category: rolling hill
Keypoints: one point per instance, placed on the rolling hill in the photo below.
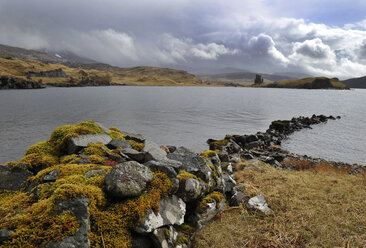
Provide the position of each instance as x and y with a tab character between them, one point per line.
306	83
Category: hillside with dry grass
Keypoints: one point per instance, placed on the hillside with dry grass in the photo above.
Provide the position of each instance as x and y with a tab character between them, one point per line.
22	69
306	83
314	206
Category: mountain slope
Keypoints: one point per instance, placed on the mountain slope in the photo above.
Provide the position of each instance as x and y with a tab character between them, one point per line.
54	74
356	82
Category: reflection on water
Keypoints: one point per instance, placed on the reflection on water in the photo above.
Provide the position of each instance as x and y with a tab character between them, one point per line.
186	116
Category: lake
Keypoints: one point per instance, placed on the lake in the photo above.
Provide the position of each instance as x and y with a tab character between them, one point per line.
187	116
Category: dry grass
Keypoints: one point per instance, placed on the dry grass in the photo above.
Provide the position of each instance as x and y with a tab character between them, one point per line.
322	208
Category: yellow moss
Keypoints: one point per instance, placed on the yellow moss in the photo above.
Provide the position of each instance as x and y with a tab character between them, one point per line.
184	175
96	149
182	240
186	229
213	197
95	159
209	153
36	161
36	225
114	222
68	158
116	135
136	145
220	143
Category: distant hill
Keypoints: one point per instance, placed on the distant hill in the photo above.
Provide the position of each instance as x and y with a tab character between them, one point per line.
356	82
244	78
306	83
71	70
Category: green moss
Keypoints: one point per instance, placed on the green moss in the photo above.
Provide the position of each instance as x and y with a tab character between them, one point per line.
213	197
209	153
68	158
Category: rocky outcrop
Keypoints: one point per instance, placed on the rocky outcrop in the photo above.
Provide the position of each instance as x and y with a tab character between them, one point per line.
57	73
14	83
134	189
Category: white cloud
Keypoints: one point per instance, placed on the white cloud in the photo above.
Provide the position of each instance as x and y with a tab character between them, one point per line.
357	25
263	45
182	49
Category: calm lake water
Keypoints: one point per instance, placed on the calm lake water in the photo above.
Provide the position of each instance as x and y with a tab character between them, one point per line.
187	116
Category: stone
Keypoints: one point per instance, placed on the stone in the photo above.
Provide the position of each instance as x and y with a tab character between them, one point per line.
92	173
248	156
229	183
166	169
77	143
79	208
141	241
4	235
171	148
118	143
171	212
51	176
101	126
191	189
135	137
153	151
234	158
128	179
165	237
259	203
192	163
134	155
239	187
237	199
13	178
210	212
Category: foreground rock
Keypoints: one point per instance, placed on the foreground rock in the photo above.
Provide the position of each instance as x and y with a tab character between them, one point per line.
79	208
259	203
128	179
82	141
171	212
13	178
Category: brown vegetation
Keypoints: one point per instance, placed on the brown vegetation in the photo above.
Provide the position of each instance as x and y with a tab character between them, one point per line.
316	206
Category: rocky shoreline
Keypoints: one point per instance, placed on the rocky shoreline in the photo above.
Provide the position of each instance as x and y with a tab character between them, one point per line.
13	83
103	186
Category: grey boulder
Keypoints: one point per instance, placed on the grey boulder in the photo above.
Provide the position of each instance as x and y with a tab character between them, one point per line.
153	151
128	179
51	176
118	143
79	208
77	143
259	203
171	212
13	178
191	189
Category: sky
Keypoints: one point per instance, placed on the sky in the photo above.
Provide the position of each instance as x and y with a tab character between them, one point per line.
320	38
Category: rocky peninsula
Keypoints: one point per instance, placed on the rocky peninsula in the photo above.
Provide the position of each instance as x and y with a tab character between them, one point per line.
92	186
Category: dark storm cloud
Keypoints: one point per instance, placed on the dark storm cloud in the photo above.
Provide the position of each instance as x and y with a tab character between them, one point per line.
185	33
